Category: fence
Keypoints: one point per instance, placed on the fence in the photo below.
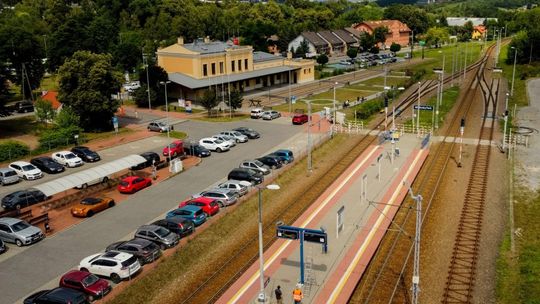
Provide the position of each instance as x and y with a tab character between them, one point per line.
12	154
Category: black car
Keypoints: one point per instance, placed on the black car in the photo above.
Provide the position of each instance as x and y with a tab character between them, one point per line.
47	164
86	154
146	251
22	198
151	157
177	224
24	107
3	247
58	295
250	133
245	174
196	150
272	161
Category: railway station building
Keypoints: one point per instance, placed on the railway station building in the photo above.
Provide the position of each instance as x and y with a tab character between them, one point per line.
196	67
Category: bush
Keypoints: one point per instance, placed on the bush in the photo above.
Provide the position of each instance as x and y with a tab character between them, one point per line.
12	149
59	137
366	109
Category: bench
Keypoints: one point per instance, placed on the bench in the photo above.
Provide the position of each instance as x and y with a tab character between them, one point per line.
254	103
25	214
44	218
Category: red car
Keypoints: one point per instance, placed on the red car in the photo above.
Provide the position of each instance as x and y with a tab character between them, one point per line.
132	184
174	149
299	119
94	287
208	205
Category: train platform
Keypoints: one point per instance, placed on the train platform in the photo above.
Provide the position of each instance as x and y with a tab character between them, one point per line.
355	211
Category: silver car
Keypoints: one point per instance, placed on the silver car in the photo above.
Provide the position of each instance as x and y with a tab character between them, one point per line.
269	115
8	176
17	231
228	139
159	235
240	187
255	165
158	126
224	197
239	137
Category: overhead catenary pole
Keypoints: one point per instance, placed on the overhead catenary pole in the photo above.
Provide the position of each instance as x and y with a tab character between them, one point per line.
145	62
167	113
309	160
416	263
461	131
513	71
418	110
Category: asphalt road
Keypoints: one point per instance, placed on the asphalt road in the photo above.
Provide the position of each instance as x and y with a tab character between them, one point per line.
37	265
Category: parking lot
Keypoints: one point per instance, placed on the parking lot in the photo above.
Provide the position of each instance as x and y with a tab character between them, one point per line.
45	261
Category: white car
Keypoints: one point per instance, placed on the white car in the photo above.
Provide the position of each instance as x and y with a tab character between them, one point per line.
230	140
256	113
26	170
67	158
239	137
115	265
214	144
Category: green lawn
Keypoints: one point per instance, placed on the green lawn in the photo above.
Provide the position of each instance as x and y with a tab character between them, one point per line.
450	96
223	118
21	126
175	134
49	83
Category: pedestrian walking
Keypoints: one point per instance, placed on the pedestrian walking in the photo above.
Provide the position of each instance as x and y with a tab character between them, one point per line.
297	295
278	293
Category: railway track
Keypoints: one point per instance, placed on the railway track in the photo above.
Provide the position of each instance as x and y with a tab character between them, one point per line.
384	280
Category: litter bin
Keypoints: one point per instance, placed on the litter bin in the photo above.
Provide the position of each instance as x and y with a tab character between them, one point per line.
176	166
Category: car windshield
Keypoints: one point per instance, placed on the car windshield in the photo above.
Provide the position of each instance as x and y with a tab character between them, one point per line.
160	124
89	201
9	173
28	167
172	146
20	226
237	133
258	163
150	247
90	280
123	183
218	141
70	156
162	232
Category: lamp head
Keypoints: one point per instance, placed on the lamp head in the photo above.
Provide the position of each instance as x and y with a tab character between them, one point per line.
273	187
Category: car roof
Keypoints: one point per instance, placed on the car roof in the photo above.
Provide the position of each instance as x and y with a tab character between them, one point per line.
43	158
190	208
177	219
20	163
201	199
61	292
137	242
149	227
115	255
64	152
6	169
81	147
220	190
9	220
76	275
130	178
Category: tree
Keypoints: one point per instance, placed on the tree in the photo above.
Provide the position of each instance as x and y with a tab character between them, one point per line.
209	100
236	100
322	59
140	96
395	47
379	34
44	110
302	49
86	82
436	36
352	53
67	118
366	41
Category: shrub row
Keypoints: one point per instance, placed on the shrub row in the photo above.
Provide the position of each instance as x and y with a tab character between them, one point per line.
12	149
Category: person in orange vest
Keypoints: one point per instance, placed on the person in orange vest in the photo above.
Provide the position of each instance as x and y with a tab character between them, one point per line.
297	295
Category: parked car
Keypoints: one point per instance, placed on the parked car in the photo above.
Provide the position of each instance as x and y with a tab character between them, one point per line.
250	133
158	126
345	62
174	149
192	213
271	161
131	86
14	230
24	106
22	198
101	180
47	164
214	144
59	295
240	187
151	158
146	251
3	247
228	139
196	150
256	113
255	165
87	283
299	119
269	115
68	159
177	224
244	174
91	205
26	170
223	197
8	176
113	264
86	154
286	154
159	235
208	205
132	184
238	137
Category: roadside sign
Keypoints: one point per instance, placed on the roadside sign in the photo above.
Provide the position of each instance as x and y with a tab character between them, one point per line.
287	233
339	222
422	42
315	236
293	99
115	123
423	107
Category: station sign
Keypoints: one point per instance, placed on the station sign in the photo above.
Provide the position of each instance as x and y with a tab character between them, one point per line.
423	107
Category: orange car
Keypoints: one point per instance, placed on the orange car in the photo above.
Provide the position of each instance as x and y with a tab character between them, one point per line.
91	205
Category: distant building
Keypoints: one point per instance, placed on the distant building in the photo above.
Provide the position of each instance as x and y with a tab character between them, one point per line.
195	67
460	21
398	32
52	97
329	42
479	32
316	45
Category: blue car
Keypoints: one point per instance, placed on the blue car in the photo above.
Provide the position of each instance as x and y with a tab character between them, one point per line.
189	212
286	155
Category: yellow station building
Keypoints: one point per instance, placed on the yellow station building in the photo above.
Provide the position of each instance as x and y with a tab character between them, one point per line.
203	64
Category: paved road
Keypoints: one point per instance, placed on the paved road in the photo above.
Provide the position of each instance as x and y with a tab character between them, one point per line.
39	264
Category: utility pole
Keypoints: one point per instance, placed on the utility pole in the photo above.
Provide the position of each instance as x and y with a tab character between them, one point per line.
461	131
309	160
416	266
145	62
418	110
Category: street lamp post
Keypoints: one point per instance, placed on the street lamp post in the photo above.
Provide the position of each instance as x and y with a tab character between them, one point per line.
309	160
418	110
334	114
145	62
513	72
164	83
262	296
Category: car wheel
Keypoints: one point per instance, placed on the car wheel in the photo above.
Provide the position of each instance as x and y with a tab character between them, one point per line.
91	298
90	213
18	242
115	278
162	246
25	177
160	130
220	203
273	167
18	207
111	204
149	184
218	150
84	270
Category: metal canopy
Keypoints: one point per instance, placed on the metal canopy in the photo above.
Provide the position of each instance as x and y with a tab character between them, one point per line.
88	176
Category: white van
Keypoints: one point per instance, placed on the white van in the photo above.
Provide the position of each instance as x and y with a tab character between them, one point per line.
256	113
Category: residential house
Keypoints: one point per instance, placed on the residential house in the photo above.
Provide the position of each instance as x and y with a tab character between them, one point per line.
398	32
479	32
348	38
52	97
316	44
460	21
337	46
195	67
